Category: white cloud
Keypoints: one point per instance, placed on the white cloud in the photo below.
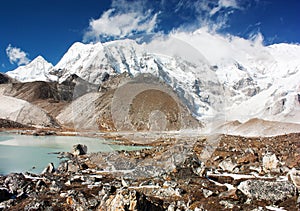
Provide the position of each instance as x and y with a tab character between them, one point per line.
224	4
124	19
215	14
16	55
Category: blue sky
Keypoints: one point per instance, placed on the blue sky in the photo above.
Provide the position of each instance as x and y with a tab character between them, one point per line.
49	27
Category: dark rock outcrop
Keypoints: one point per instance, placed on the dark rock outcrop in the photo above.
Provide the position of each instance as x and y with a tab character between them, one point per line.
5	123
4	79
79	149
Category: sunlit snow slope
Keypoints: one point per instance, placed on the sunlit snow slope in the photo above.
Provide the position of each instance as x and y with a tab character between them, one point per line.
36	70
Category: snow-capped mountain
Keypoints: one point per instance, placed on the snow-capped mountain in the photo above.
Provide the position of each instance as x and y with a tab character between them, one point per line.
216	76
185	75
37	70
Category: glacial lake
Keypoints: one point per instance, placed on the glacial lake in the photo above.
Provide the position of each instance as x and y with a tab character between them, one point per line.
21	153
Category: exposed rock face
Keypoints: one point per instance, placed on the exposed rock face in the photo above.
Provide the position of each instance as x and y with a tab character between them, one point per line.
5	123
23	112
81	113
4	79
33	91
51	97
145	103
269	191
139	104
70	89
158	104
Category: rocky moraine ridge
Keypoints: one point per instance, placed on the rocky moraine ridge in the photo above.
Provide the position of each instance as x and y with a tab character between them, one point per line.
219	172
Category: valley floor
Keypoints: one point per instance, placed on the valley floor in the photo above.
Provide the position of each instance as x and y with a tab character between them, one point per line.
208	172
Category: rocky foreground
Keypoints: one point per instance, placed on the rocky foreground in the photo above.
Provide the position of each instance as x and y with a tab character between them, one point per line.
218	172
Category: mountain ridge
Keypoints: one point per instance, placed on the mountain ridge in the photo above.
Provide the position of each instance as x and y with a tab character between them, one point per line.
37	70
212	83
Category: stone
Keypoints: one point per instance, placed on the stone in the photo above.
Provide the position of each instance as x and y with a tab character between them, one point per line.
117	203
40	184
247	158
256	168
15	182
133	200
34	205
270	162
207	193
171	184
93	202
49	169
226	204
79	149
4	194
5	205
171	207
267	190
298	200
56	186
72	167
294	177
230	194
227	165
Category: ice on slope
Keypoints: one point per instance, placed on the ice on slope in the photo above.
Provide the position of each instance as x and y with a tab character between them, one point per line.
36	70
279	102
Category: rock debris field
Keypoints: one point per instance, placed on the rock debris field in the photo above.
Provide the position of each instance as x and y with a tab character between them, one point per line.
219	172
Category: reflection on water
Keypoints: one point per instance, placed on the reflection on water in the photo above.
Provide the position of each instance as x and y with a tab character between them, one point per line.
19	153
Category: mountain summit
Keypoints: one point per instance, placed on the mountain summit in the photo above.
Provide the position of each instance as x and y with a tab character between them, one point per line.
37	70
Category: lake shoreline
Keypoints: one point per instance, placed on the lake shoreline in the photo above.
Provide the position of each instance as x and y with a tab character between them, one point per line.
21	153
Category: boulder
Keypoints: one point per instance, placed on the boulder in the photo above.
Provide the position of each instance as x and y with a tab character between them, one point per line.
79	149
4	194
227	165
267	190
294	177
270	162
207	193
49	169
15	182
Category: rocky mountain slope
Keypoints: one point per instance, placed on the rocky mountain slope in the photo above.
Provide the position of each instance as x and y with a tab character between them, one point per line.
24	112
5	79
78	104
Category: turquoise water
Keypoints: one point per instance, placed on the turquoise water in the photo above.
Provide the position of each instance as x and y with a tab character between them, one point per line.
20	153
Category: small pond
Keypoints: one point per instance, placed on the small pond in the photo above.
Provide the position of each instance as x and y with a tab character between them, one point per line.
20	153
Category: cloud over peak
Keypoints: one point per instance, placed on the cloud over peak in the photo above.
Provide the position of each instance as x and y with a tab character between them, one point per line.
16	55
124	19
127	18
